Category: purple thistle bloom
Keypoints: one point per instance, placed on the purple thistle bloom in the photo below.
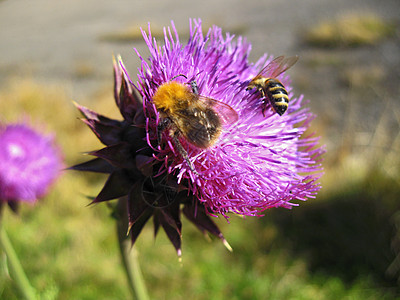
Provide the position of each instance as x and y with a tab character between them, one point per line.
29	163
257	163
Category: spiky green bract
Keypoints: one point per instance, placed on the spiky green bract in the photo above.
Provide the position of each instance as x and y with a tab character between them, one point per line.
132	170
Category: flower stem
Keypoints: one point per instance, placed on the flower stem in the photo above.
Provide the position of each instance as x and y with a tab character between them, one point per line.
16	270
129	255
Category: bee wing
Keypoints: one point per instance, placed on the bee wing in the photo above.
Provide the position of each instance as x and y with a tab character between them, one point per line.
226	114
284	64
201	124
196	132
278	66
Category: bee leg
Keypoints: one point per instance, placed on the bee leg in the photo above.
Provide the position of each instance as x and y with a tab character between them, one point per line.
162	125
262	92
182	151
264	109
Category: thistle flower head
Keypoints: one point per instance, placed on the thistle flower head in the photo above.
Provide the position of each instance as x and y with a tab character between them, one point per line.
259	162
29	163
256	163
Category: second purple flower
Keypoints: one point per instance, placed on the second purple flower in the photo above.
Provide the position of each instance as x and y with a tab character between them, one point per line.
29	163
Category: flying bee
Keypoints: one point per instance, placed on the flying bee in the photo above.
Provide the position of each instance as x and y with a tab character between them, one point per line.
270	87
185	113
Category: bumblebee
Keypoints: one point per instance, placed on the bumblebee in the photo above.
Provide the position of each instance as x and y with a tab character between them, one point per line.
186	114
270	87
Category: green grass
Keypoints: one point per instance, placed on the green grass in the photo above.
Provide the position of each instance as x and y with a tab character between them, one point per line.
335	247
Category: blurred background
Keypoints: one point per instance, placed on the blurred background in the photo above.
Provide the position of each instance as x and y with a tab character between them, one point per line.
343	244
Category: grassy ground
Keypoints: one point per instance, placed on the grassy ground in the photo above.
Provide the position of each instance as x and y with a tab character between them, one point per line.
338	246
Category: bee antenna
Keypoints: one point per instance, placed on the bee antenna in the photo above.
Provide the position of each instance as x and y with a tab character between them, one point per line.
178	76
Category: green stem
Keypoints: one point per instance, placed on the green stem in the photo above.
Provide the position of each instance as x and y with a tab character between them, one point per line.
129	255
16	270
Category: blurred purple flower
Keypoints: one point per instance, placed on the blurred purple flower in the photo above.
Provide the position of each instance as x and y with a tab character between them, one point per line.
258	163
29	163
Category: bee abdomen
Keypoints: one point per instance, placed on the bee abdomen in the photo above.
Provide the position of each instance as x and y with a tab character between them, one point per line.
277	95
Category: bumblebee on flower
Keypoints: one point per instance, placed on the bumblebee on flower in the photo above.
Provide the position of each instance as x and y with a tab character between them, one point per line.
199	139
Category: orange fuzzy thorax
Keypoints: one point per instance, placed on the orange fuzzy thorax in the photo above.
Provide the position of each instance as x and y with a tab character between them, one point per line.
172	96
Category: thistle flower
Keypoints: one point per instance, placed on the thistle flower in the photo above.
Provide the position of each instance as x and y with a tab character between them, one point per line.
29	163
258	163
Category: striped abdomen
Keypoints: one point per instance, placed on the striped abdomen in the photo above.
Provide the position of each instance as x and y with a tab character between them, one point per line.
277	95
